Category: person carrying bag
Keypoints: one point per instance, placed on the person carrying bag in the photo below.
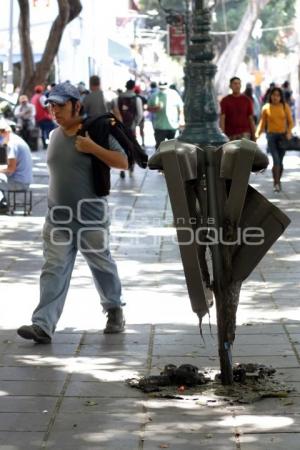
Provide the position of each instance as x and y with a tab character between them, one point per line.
276	120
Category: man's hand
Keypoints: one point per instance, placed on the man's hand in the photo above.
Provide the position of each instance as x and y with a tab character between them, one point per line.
85	144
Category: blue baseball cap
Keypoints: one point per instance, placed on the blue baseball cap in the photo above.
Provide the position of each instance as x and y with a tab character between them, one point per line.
62	92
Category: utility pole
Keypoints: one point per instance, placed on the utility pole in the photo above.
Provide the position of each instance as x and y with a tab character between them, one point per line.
10	68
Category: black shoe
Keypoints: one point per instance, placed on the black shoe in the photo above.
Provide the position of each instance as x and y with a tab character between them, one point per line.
115	321
122	174
34	332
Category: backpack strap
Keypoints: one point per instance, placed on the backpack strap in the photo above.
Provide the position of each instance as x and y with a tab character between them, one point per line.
109	124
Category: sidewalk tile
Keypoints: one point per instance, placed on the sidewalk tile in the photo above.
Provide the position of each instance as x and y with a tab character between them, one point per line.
73	393
273	441
24	440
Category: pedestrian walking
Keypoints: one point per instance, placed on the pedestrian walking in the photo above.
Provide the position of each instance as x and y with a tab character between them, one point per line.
265	97
128	108
94	103
141	125
249	92
276	120
153	89
236	119
77	218
167	106
288	98
42	116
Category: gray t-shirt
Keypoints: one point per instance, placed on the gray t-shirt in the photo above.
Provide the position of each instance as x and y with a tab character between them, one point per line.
18	149
71	193
94	104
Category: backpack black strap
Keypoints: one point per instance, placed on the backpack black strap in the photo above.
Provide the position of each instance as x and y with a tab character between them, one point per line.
109	124
98	131
128	109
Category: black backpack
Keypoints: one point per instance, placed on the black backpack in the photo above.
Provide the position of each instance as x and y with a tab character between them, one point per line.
108	124
128	110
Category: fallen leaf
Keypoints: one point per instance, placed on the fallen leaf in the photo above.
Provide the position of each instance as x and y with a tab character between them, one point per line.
164	446
90	403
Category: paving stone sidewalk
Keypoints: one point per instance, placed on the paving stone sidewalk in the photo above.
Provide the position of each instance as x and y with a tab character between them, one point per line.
72	394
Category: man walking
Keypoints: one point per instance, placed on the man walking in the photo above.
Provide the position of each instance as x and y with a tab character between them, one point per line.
128	108
77	218
42	116
167	106
236	119
94	103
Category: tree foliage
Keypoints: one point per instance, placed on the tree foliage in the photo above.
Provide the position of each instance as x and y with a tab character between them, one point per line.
227	17
160	6
238	18
276	13
31	73
234	52
147	5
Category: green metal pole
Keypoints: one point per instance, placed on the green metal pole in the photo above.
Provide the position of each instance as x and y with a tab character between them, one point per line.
200	105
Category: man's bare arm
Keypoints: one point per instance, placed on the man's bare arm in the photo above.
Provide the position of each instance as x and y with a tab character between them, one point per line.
112	158
10	168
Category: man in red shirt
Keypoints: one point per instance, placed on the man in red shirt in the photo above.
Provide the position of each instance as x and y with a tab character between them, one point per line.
236	119
42	115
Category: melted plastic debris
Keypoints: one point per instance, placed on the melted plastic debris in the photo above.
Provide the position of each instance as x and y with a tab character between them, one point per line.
184	375
252	382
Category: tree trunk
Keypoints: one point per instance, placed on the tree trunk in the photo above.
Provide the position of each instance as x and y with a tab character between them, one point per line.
32	74
234	53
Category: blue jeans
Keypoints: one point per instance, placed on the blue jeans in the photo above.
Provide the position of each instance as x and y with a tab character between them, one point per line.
61	243
273	147
46	127
10	185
